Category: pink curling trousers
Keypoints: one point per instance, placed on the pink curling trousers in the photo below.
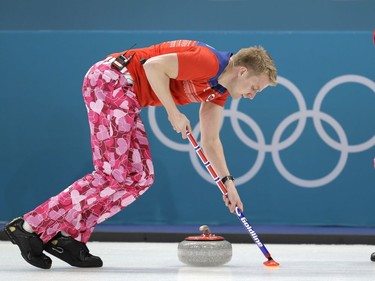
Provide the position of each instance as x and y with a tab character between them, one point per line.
121	156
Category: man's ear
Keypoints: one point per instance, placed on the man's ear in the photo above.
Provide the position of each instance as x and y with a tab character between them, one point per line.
242	71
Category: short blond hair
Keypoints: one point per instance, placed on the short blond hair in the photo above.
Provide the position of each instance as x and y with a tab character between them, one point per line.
257	59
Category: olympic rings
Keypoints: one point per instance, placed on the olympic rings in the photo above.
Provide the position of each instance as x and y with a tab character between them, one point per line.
276	145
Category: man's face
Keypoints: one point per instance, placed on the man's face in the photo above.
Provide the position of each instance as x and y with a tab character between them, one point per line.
247	84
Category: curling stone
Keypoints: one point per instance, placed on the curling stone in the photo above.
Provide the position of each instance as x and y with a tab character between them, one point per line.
204	250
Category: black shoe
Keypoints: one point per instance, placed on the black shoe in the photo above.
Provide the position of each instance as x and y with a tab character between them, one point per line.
373	256
30	244
72	252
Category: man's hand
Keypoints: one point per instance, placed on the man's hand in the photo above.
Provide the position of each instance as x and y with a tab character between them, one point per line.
232	199
180	123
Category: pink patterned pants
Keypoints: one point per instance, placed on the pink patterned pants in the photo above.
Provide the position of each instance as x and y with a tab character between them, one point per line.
121	155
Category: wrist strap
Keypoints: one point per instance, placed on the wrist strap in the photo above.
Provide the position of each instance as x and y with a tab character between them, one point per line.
227	178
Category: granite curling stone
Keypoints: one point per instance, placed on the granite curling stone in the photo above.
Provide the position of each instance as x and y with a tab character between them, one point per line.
204	250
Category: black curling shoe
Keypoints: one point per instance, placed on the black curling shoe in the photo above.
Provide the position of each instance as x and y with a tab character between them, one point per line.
373	256
72	252
30	244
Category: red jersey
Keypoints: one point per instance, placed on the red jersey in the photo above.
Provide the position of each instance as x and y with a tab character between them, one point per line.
199	67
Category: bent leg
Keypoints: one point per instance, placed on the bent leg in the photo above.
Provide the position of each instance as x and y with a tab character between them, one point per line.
122	161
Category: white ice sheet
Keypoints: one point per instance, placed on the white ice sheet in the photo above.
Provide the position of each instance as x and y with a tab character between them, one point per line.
159	261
